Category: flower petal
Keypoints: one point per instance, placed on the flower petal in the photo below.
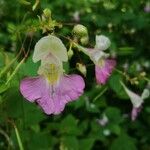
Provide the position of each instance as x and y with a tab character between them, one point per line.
38	90
51	59
145	94
49	44
51	102
55	98
52	98
102	42
30	88
71	87
135	112
97	55
135	99
103	73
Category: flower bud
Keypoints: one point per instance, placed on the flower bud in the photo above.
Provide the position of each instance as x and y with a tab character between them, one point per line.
84	40
81	68
47	12
143	74
70	53
80	31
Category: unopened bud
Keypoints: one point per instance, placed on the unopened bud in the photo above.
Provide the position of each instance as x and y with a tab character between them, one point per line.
70	53
47	12
84	40
143	74
81	68
136	82
80	31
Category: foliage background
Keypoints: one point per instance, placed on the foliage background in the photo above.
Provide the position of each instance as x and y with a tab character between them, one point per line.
127	25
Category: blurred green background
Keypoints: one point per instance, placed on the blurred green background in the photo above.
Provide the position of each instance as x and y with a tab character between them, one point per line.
127	24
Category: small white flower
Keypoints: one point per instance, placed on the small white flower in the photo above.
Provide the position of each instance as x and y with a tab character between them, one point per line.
103	121
106	132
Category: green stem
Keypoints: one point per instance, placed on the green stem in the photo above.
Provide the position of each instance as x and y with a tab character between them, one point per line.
18	138
120	72
147	79
7	67
17	135
127	77
100	94
81	48
10	64
15	71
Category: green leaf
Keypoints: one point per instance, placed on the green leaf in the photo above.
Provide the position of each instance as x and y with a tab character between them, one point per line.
69	143
115	85
40	141
29	68
69	125
32	114
114	115
86	143
125	50
114	128
123	142
17	107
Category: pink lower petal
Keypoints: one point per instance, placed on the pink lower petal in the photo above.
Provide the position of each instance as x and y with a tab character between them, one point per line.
52	98
71	87
30	88
51	104
103	73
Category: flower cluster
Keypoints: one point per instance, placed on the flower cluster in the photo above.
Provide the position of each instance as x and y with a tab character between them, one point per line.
52	89
103	64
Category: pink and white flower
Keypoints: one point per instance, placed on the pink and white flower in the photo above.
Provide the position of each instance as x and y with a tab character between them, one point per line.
103	65
136	101
51	89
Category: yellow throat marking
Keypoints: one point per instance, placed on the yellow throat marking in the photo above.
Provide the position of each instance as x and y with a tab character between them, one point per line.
101	62
53	74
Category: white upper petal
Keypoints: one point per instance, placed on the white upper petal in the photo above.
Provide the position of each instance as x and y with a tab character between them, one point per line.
145	94
102	42
49	44
96	55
